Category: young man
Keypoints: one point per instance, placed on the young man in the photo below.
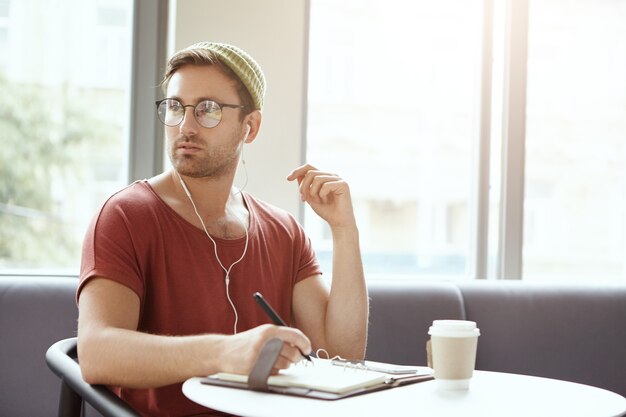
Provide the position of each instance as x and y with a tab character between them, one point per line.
170	264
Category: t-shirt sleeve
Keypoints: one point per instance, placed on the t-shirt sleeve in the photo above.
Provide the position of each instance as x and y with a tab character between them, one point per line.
109	250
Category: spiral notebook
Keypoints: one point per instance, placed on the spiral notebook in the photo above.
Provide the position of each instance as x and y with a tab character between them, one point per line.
330	379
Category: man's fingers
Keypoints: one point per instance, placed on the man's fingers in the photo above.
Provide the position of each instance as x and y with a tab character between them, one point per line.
330	188
296	340
318	182
313	181
300	172
288	355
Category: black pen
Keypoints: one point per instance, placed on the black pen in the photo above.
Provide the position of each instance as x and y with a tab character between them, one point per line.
274	316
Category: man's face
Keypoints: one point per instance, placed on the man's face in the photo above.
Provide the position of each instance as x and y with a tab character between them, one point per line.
194	150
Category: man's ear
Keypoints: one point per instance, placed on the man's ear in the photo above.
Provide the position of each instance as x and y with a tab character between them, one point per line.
253	124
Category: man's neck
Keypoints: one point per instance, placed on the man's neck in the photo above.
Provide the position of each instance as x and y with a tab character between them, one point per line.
221	207
213	197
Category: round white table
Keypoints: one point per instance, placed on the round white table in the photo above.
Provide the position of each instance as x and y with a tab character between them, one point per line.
490	394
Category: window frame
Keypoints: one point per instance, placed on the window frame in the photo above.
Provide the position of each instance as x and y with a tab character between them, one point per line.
149	54
510	242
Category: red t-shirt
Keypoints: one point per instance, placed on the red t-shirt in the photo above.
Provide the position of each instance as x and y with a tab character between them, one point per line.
139	241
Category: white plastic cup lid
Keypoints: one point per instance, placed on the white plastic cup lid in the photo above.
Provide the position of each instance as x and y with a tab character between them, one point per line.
454	328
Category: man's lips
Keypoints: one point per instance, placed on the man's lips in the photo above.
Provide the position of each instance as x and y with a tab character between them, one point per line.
188	147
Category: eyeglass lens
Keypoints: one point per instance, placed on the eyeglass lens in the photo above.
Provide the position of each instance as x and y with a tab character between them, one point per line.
171	112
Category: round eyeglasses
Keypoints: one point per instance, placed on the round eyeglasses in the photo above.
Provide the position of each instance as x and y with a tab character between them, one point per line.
208	113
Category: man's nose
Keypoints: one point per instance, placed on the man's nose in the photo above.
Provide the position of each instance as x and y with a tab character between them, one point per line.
189	124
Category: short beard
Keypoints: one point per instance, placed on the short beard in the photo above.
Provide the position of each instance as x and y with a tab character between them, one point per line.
212	167
219	163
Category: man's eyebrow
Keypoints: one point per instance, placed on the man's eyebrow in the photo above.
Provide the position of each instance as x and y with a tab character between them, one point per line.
208	98
197	100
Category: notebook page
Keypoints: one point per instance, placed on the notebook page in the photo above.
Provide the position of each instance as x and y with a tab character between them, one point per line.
320	376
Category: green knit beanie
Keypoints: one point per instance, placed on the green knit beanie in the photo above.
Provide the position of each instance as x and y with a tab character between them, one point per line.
242	64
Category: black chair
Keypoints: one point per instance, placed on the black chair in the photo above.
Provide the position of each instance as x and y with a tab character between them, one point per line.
62	360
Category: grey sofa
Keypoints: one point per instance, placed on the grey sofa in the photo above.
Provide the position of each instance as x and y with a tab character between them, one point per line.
574	333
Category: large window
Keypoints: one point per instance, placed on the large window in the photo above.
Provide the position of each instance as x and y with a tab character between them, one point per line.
452	173
65	78
392	98
396	105
576	140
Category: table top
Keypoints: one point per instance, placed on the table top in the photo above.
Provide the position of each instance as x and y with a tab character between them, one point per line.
490	394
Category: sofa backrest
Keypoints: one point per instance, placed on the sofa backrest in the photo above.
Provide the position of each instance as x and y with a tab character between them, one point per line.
34	313
401	311
571	332
574	333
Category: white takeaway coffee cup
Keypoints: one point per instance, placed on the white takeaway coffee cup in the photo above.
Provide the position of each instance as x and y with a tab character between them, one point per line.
453	346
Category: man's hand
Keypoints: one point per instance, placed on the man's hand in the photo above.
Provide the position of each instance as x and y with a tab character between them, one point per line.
240	351
327	194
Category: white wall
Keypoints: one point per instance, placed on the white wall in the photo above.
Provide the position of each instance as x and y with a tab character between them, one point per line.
275	33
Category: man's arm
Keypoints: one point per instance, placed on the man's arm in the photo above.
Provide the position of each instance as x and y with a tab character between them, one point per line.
112	352
335	320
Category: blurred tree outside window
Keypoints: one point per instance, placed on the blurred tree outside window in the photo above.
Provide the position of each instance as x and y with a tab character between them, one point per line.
63	121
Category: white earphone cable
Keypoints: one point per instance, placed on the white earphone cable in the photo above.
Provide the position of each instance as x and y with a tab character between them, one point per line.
227	271
245	171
